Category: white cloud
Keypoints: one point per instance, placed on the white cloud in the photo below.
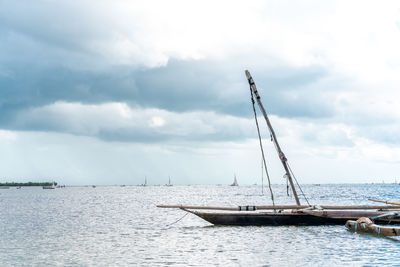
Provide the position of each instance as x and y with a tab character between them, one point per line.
357	39
7	136
135	123
156	122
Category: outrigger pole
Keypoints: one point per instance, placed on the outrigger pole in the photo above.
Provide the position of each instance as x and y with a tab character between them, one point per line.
278	148
281	207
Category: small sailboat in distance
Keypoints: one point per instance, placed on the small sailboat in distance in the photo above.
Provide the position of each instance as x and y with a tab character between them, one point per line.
235	183
145	181
169	181
52	186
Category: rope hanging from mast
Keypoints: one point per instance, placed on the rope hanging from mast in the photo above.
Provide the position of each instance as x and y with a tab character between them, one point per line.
287	185
262	177
298	185
261	146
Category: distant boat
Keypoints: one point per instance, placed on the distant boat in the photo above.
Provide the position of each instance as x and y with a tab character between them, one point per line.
235	183
52	186
4	187
93	186
18	187
145	182
169	182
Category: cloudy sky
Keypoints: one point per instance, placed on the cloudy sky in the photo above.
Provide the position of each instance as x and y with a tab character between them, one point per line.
108	92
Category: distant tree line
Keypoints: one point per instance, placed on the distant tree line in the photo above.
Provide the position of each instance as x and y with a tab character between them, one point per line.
27	184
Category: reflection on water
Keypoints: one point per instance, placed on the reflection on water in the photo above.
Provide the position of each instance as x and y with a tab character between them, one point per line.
118	226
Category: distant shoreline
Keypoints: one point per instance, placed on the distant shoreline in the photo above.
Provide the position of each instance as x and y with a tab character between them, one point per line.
28	184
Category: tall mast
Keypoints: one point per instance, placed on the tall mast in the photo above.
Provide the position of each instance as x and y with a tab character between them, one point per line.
278	148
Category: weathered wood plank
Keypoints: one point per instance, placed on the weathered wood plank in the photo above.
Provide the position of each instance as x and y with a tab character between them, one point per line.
385	201
280	207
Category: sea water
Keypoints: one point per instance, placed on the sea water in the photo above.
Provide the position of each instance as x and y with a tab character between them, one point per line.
121	226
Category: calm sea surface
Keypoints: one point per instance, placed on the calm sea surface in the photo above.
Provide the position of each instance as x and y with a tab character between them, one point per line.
120	226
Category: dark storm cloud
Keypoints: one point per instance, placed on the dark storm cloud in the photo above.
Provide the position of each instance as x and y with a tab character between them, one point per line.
203	85
291	92
181	86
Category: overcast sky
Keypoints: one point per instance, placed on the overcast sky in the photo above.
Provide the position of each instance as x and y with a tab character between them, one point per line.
108	92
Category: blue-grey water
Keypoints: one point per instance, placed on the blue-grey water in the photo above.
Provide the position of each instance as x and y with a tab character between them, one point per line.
121	226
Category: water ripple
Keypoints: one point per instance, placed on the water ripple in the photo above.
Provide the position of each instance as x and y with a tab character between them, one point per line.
120	226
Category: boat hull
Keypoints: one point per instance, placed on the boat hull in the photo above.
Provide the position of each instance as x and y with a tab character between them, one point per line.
279	219
365	225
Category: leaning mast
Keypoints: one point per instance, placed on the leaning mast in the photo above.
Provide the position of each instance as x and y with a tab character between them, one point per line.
278	148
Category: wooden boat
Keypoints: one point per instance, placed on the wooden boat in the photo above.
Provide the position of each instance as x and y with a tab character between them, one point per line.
283	215
286	214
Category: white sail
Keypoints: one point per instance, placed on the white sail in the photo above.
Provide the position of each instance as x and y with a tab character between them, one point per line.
235	183
169	181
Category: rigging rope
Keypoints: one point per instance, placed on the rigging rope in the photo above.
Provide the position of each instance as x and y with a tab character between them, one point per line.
262	178
298	185
287	185
262	150
168	225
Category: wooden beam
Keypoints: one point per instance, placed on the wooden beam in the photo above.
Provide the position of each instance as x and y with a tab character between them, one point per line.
384	201
279	207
